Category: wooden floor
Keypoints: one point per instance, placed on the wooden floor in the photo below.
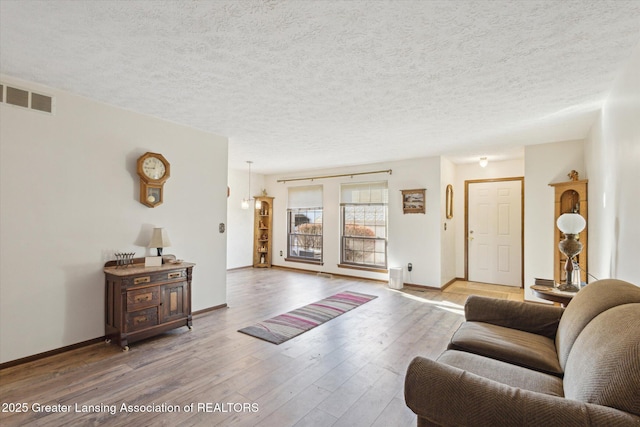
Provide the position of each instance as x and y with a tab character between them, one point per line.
346	372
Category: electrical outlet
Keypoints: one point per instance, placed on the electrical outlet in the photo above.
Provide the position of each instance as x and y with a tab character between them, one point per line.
280	253
410	267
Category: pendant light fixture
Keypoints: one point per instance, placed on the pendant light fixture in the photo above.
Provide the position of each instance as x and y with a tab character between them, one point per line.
245	202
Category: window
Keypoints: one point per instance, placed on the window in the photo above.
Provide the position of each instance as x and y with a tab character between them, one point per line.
304	224
364	224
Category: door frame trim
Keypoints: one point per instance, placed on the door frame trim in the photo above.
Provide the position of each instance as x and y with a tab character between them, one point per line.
466	222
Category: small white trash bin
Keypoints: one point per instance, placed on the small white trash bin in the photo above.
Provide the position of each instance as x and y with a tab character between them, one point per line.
395	278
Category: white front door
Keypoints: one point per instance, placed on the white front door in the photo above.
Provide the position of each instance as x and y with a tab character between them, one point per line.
495	232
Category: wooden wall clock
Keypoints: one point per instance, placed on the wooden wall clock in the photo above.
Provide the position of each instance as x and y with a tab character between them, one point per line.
153	170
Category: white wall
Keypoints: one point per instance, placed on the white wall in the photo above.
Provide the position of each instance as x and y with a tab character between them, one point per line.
613	164
469	172
413	238
240	221
416	238
447	226
546	164
69	198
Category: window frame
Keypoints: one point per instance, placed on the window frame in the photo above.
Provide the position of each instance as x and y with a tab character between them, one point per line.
344	262
291	213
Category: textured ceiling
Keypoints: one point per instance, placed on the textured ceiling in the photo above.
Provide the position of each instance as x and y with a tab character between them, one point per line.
307	84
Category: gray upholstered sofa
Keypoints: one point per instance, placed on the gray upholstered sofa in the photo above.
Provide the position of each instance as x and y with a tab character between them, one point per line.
525	364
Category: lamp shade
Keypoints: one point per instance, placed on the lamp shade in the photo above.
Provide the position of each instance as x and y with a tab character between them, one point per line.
159	239
571	223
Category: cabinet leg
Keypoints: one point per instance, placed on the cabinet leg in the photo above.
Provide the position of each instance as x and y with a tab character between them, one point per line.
125	348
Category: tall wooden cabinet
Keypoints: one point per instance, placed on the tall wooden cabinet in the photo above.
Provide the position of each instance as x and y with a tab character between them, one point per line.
141	302
570	196
263	232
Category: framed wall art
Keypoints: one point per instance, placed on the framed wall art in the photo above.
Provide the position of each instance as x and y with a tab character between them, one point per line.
413	201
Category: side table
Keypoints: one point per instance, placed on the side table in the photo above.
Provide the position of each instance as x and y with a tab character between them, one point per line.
550	293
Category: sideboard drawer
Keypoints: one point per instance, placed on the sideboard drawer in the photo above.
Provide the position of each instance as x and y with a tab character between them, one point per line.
142	319
141	298
168	276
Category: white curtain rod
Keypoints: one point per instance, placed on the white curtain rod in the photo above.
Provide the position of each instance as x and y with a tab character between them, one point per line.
389	171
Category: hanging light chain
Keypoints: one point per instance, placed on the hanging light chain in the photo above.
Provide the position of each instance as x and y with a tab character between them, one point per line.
245	202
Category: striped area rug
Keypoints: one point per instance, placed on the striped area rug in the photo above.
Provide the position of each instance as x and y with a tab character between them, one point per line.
286	326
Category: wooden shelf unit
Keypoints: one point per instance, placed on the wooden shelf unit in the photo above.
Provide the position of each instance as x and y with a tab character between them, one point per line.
263	232
570	196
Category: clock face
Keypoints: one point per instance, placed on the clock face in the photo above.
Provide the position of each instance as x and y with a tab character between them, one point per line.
153	168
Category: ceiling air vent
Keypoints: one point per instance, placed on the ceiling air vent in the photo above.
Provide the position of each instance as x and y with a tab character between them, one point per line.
17	97
26	99
40	102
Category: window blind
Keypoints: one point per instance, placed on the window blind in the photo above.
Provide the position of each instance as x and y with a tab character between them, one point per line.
364	192
309	196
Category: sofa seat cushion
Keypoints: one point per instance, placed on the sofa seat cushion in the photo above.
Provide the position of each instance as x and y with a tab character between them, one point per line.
504	373
509	345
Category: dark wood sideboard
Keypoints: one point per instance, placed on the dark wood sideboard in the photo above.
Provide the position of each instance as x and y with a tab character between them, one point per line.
141	302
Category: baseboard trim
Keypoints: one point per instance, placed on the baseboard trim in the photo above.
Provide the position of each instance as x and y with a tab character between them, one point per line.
239	268
434	288
75	346
450	282
210	309
413	285
303	270
370	270
49	353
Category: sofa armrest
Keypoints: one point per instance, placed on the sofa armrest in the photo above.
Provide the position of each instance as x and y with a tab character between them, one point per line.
444	395
528	317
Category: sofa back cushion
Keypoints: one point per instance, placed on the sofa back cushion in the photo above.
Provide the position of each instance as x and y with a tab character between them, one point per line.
586	305
603	367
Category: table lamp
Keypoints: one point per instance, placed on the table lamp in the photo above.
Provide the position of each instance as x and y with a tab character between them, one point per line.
571	224
159	240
